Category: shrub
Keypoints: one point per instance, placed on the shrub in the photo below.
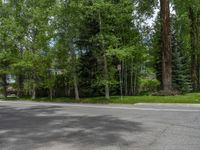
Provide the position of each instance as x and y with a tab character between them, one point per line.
149	86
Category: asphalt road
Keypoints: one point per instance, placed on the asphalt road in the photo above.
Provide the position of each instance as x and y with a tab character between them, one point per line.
47	126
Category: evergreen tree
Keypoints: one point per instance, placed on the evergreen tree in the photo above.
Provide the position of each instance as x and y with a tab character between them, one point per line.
180	64
181	72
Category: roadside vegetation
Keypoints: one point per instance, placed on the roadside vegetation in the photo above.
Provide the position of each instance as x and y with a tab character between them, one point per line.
192	98
100	48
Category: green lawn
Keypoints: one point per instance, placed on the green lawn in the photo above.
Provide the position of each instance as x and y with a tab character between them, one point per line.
187	98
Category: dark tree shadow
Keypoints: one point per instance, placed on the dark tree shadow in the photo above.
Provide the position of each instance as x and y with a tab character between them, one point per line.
43	125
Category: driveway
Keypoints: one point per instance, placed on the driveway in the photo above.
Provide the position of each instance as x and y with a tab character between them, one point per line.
48	126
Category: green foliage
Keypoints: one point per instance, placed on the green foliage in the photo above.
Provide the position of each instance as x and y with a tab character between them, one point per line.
185	99
180	63
147	85
86	45
181	71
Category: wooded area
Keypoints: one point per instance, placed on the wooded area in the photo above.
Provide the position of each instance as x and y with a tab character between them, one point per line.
88	48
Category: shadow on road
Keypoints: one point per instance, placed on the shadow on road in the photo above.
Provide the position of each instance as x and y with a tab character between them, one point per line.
42	125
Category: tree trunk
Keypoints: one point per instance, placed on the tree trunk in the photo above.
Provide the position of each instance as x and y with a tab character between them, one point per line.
135	82
193	49
34	92
76	88
122	73
166	46
131	79
120	83
198	71
198	40
126	79
51	93
19	85
74	70
67	89
107	90
4	80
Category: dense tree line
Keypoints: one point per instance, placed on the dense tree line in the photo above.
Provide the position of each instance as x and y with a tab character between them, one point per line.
79	48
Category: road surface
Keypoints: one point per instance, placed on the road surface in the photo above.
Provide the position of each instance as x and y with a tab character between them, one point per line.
48	126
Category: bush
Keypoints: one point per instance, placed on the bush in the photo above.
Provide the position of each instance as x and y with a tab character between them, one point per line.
149	86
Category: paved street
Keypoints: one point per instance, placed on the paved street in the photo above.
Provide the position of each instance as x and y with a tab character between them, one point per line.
47	126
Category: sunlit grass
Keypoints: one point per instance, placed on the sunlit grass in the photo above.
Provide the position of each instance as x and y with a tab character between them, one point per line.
187	98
